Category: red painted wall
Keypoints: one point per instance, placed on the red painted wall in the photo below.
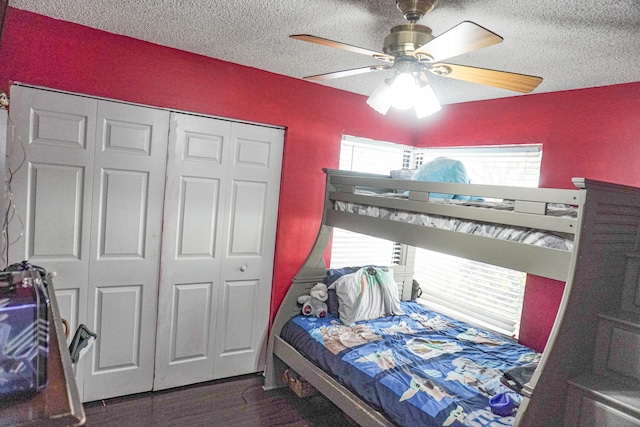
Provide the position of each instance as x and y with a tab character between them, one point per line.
46	52
592	133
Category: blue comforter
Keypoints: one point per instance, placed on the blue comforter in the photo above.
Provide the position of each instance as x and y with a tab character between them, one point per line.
420	368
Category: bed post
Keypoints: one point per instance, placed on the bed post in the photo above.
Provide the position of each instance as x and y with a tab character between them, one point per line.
313	270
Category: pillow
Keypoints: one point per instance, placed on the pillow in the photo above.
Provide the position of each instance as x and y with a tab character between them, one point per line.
443	169
333	303
334	274
369	293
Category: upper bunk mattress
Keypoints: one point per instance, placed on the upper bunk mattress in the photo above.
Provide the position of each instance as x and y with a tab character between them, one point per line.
487	229
420	368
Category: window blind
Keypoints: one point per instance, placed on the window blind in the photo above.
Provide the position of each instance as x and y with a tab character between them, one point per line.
367	155
351	249
481	294
514	165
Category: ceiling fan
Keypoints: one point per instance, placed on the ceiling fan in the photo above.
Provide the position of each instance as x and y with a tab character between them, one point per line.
410	50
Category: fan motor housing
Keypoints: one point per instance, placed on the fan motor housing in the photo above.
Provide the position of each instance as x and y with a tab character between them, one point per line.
414	10
406	38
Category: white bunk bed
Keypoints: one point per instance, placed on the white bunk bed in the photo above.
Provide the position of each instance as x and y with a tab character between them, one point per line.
602	231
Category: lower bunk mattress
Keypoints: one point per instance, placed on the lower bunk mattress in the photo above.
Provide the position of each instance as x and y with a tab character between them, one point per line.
420	368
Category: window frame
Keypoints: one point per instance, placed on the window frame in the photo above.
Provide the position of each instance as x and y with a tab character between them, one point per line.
407	258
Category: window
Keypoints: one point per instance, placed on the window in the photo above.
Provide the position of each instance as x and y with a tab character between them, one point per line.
513	165
365	155
484	294
487	295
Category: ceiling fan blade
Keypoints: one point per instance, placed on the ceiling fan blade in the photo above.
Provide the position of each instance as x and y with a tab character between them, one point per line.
343	46
346	73
465	37
502	79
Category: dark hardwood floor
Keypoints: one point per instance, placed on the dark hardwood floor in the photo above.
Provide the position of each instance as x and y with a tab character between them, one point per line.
239	401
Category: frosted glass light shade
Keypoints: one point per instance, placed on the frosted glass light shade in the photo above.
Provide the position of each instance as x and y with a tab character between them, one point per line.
404	89
381	98
426	102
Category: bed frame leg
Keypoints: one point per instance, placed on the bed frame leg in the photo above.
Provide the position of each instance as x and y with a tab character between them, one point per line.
273	373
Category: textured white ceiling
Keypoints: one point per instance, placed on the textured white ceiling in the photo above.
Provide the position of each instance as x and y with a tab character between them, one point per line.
570	43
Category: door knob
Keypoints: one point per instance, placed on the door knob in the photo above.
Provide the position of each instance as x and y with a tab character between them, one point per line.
243	268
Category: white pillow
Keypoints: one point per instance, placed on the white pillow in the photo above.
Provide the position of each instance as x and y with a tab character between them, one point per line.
369	293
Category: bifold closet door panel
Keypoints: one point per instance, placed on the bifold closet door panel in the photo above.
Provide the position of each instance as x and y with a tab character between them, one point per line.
191	250
223	182
253	188
51	152
126	230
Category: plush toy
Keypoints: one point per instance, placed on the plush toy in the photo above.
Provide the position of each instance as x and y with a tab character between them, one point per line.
4	101
314	303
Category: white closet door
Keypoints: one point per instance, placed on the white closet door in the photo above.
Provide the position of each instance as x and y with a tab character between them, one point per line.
251	210
223	181
90	197
126	230
189	279
51	154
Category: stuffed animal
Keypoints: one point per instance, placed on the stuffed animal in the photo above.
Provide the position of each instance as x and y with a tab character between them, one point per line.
4	101
314	303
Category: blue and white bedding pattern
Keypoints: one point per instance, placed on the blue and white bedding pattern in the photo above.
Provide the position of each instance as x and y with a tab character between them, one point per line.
421	368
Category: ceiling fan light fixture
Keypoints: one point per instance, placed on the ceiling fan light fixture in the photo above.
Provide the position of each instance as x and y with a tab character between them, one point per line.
408	88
